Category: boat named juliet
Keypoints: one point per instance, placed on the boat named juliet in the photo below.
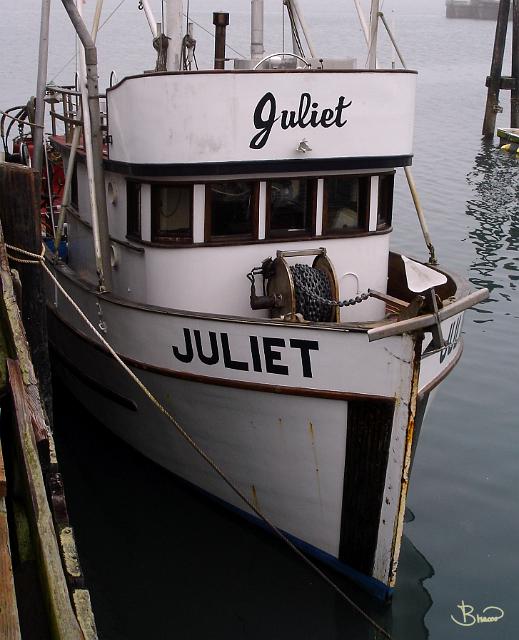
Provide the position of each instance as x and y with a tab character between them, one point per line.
237	257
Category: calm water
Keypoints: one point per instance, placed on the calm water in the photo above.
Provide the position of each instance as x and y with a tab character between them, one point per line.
193	571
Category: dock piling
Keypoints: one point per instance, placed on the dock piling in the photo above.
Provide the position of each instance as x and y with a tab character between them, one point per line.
20	218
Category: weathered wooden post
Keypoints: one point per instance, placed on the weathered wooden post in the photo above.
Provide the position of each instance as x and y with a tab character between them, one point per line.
494	81
514	111
20	216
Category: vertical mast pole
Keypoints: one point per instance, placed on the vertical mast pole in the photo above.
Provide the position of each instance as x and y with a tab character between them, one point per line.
41	86
94	148
373	34
175	32
256	41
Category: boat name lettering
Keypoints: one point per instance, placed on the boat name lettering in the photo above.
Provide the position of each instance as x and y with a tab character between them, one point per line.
452	340
265	354
308	114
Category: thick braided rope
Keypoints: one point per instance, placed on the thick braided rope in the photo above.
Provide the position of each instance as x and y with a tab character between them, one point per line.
39	259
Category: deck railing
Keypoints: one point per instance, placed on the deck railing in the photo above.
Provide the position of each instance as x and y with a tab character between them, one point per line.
66	110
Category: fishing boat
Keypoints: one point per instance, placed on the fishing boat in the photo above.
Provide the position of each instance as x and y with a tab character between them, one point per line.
228	233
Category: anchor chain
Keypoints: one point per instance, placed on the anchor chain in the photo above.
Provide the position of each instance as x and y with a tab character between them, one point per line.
313	284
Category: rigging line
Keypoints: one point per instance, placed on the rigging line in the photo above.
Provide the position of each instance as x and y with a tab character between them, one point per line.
227	46
111	14
182	432
74	55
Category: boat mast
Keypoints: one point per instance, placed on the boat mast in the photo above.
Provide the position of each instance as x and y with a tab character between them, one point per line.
257	49
41	86
175	32
373	34
94	147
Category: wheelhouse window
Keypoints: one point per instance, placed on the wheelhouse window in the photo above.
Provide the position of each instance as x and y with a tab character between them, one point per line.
171	213
385	200
231	210
291	207
133	209
345	205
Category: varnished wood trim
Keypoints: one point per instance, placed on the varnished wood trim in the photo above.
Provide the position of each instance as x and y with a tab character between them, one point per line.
249	241
232	239
311	197
222	382
364	205
171	239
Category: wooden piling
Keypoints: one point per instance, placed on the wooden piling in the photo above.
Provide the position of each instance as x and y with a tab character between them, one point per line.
514	111
50	568
21	222
9	624
494	83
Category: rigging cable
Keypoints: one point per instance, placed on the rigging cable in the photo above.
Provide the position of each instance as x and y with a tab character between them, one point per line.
74	56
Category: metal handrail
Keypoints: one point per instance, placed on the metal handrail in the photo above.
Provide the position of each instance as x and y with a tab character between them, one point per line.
72	107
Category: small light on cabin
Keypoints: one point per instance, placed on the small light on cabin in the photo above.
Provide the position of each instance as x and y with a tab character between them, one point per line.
303	146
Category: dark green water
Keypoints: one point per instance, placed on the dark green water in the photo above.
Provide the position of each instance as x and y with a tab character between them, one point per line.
193	571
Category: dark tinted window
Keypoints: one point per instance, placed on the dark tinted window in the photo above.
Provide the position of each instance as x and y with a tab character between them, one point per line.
346	204
291	206
133	209
232	209
385	200
171	213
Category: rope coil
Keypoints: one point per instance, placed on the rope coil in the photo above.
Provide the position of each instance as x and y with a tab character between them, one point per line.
40	259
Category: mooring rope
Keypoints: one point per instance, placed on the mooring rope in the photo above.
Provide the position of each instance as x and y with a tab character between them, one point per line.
40	259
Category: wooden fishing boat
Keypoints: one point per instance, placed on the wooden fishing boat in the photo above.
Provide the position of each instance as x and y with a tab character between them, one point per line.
228	233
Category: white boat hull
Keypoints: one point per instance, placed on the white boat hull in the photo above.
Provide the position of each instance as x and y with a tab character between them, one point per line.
314	425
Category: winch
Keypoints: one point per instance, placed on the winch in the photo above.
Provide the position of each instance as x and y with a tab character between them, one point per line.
298	291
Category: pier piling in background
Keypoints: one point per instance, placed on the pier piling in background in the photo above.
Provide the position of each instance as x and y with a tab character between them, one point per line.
496	81
514	111
21	222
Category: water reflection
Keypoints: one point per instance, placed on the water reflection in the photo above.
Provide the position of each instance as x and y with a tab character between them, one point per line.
495	208
163	562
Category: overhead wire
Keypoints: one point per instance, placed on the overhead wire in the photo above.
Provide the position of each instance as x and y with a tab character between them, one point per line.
74	55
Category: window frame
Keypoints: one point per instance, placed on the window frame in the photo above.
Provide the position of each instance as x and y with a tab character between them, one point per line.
170	237
386	199
231	238
364	195
311	196
130	233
